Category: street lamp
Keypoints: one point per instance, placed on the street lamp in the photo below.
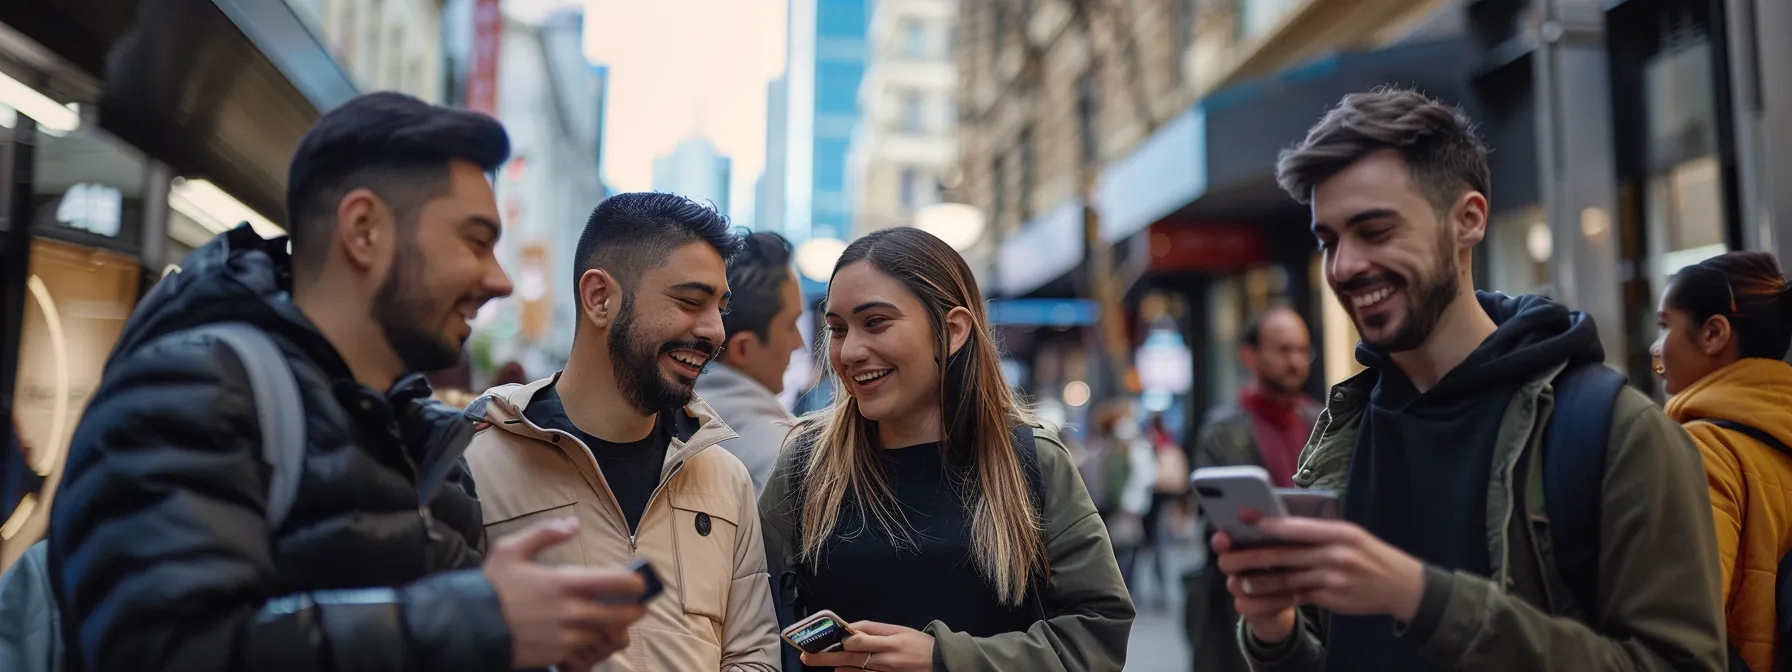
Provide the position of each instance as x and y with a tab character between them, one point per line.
815	258
960	225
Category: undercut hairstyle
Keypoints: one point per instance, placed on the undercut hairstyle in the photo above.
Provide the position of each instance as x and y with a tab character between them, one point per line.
1437	141
629	234
1748	289
395	145
757	276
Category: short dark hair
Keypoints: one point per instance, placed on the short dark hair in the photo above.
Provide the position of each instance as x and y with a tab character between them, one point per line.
630	233
757	276
1252	336
1436	140
393	144
1749	290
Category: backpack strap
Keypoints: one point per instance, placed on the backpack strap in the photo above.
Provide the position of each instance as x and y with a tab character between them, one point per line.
278	407
1751	432
1026	447
1572	478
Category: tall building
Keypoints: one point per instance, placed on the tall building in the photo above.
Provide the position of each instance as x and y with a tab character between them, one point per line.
826	62
768	203
386	45
906	141
600	79
695	169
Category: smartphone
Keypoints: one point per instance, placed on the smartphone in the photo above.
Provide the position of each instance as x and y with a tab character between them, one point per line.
821	632
1309	503
644	569
1225	491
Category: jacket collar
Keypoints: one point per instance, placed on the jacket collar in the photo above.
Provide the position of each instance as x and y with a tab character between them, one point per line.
502	407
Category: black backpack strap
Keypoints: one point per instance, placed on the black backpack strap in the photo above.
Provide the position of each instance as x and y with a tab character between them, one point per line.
1573	477
1766	439
1026	447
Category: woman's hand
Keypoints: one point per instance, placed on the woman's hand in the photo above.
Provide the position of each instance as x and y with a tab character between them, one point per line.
880	647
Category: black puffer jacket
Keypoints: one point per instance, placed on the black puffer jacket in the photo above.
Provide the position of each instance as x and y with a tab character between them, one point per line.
163	556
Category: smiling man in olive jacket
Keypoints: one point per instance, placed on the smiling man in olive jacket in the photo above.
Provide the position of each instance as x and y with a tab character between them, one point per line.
1445	559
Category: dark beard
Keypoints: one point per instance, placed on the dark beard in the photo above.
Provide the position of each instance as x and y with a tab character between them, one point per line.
404	312
637	368
1426	301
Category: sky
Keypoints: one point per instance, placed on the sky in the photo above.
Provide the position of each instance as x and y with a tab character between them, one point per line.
680	68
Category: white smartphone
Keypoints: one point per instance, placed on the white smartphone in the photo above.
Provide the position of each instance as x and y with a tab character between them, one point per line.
1309	503
821	632
1224	491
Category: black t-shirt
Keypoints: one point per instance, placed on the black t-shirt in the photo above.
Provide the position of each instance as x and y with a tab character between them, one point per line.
631	469
863	575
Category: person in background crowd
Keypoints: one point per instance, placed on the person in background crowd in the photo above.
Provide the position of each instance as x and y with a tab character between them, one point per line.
618	442
162	554
1267	428
1119	470
762	332
926	504
1726	323
1432	450
17	478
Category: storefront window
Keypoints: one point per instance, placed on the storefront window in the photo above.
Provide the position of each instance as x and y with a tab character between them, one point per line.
1519	249
88	188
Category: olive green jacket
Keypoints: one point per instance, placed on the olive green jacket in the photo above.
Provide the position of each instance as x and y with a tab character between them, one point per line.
1090	615
1657	607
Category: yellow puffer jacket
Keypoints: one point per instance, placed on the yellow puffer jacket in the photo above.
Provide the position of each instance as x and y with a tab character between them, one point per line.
1751	489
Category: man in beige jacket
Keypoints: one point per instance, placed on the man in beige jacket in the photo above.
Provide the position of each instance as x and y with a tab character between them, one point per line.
618	441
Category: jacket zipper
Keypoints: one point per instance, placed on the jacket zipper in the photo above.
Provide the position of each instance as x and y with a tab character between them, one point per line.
650	497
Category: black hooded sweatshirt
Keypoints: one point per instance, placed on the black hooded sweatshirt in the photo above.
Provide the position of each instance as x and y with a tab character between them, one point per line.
1423	461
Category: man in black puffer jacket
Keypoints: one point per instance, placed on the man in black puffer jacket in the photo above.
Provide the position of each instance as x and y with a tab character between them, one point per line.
162	552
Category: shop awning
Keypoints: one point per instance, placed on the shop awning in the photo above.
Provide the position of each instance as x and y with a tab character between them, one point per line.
222	89
1218	158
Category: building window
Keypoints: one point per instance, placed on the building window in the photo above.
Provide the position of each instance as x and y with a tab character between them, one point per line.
914	39
909	189
1087	109
1027	174
913	112
1185	36
998	186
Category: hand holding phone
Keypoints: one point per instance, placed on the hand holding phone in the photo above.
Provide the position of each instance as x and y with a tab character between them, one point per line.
644	569
821	632
1226	493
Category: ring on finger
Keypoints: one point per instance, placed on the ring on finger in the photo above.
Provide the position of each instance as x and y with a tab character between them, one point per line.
867	664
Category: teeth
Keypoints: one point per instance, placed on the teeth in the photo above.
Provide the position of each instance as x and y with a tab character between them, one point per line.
687	361
1372	297
868	377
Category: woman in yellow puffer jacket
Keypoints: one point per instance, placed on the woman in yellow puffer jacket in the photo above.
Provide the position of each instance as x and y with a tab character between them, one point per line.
1726	322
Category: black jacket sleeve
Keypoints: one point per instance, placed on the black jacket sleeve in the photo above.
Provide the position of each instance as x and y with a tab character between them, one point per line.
165	557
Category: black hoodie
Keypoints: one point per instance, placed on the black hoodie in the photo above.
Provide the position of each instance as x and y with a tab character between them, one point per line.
163	558
1423	461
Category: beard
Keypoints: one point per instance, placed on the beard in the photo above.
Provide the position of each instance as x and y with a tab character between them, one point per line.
636	365
404	309
1280	387
1427	298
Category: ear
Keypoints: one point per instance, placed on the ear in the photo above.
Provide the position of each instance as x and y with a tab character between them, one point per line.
599	297
1470	218
741	348
958	329
1713	335
361	228
1247	357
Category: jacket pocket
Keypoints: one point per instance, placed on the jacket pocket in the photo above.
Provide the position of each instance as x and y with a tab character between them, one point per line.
704	528
569	553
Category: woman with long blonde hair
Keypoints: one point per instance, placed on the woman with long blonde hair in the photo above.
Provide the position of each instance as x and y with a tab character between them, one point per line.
926	504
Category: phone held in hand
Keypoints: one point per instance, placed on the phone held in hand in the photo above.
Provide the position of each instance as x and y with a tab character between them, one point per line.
821	632
1225	492
644	569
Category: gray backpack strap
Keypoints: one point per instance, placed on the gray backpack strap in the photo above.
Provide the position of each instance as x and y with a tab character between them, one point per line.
278	407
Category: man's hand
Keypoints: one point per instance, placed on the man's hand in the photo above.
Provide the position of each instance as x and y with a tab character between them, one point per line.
560	614
880	647
1332	564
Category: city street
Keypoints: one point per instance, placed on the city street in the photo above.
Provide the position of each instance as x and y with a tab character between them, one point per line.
1158	644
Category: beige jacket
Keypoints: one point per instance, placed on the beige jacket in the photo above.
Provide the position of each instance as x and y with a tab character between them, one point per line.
716	613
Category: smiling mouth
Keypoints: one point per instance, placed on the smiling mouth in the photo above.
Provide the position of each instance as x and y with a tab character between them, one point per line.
689	359
1371	298
871	376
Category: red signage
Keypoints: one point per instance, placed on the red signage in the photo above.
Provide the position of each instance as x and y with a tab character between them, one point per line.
1203	247
488	34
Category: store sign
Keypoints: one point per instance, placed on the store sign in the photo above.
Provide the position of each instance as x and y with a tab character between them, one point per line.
488	36
1206	247
1164	363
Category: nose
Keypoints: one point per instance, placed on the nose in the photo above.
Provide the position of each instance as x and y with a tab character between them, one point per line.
1347	261
852	348
496	282
709	327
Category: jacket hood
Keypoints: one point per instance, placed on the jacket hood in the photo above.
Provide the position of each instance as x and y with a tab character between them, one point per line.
697	426
1534	334
1752	391
728	391
237	277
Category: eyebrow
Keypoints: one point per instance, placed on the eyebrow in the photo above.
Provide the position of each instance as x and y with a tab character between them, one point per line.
489	223
1358	218
868	305
704	287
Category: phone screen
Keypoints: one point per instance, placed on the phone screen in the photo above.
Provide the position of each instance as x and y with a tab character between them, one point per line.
820	635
